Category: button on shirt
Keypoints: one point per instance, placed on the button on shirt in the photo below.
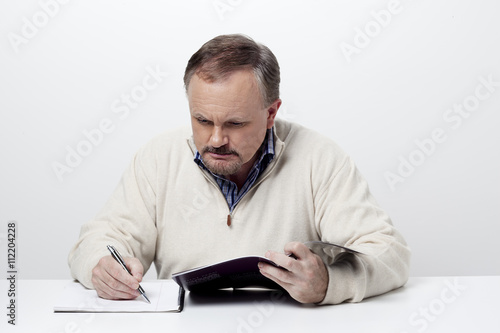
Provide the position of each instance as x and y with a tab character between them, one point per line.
229	188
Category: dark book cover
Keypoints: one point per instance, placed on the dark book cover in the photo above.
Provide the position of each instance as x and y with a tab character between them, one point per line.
236	273
242	272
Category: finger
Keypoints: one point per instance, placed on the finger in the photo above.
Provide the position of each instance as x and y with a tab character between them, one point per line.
116	272
282	260
135	267
114	282
111	281
297	249
279	275
108	287
112	291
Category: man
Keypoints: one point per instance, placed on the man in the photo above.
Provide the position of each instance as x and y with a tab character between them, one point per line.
242	183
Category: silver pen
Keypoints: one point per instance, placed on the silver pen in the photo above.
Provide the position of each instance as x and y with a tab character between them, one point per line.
120	260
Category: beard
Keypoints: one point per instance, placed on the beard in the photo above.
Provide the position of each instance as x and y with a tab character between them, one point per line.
221	167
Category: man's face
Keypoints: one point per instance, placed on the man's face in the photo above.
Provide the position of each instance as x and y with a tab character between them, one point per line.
229	121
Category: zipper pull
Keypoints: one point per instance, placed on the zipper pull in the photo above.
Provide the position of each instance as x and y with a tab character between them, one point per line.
228	220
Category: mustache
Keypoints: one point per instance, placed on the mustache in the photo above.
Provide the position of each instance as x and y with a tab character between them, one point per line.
220	150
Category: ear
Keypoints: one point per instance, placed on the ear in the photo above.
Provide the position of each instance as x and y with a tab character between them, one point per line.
272	110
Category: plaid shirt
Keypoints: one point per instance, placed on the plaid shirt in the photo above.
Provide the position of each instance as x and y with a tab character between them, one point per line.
229	188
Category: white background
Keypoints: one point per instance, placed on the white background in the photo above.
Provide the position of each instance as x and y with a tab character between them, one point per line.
63	78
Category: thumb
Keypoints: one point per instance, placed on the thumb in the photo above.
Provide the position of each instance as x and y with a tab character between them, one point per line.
135	267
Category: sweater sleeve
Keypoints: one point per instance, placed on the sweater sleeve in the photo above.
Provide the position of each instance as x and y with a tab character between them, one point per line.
347	214
127	221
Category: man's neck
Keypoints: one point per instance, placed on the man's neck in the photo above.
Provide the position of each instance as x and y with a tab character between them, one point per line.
240	177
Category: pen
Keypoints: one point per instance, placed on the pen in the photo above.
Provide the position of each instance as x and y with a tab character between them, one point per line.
119	258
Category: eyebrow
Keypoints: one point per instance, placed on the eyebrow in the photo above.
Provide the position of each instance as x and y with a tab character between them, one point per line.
198	115
235	119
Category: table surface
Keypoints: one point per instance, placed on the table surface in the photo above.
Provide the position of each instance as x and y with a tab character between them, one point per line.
424	304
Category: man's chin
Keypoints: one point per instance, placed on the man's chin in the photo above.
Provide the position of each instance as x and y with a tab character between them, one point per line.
223	168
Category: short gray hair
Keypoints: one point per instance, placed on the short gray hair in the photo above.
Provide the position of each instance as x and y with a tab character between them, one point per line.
225	54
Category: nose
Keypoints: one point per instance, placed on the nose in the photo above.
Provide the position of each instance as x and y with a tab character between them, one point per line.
218	138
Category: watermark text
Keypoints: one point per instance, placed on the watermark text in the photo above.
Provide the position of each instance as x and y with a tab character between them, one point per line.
31	27
454	118
122	108
11	272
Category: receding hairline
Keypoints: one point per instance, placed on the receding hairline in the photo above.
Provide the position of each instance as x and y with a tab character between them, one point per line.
253	82
219	57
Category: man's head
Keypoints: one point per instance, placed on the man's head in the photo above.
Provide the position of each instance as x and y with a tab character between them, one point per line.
232	84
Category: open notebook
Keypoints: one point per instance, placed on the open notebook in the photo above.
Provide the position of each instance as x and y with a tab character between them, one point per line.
165	296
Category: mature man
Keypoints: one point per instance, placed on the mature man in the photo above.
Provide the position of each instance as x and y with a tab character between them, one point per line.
241	182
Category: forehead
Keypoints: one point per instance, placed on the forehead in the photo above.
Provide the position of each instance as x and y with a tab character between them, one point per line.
239	90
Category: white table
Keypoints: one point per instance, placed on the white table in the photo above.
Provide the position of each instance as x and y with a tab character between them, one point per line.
430	304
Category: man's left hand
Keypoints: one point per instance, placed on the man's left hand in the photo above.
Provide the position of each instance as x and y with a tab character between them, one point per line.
305	278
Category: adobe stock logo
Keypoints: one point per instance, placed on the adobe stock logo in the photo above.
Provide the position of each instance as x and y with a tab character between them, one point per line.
39	20
373	28
224	6
454	116
262	311
424	316
121	107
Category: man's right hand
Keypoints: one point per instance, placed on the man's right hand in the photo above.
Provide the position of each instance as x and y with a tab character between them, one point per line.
111	281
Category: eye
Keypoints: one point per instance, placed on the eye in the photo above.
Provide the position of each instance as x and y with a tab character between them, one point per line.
236	124
202	121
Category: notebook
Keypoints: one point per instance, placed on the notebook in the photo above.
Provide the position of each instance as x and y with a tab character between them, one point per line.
165	296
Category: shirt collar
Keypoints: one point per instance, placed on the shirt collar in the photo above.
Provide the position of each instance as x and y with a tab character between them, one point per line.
266	156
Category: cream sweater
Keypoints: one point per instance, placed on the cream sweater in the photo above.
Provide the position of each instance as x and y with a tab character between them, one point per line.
167	210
